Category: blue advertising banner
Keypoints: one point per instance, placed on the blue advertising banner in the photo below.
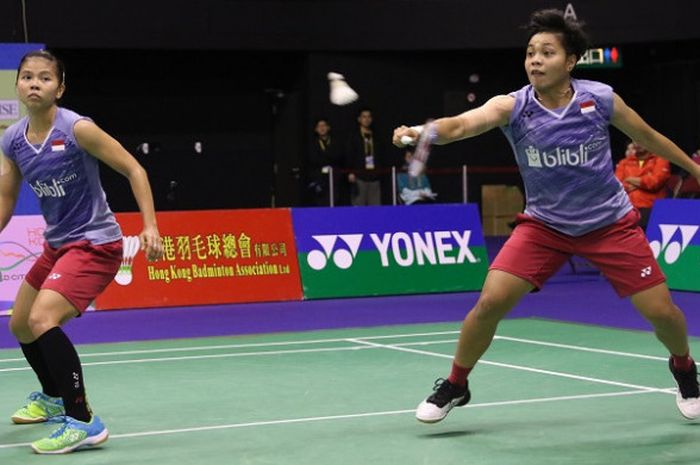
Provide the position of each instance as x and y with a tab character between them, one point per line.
674	237
361	251
11	111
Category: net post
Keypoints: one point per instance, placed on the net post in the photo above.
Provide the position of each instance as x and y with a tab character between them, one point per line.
331	188
393	185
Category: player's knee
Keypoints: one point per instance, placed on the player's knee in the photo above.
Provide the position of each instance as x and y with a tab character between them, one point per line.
659	313
19	328
490	307
39	323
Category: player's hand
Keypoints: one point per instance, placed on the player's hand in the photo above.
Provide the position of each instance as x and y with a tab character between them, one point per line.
403	131
151	243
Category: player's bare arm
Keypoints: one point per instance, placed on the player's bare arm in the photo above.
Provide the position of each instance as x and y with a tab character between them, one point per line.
628	121
10	180
108	150
492	114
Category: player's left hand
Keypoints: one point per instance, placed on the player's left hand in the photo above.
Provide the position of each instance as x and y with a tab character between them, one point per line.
402	131
151	243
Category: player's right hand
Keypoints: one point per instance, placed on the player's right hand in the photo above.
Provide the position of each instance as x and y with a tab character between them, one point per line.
402	131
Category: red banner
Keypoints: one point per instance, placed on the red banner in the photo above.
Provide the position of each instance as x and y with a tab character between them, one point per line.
211	257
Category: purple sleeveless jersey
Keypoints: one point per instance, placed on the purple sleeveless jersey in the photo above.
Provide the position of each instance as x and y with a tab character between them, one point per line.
67	181
564	159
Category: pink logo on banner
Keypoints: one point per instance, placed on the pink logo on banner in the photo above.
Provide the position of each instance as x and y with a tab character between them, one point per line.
21	243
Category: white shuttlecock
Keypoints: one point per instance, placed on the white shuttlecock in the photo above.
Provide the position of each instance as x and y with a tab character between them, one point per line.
341	92
408	140
131	245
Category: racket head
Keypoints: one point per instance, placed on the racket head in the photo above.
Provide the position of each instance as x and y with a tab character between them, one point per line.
422	151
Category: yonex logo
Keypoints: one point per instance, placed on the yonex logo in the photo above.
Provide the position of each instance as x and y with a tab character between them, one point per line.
646	272
54	276
399	248
342	258
672	250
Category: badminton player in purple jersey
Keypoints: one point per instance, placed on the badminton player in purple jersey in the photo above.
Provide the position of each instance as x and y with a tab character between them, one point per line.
56	151
558	129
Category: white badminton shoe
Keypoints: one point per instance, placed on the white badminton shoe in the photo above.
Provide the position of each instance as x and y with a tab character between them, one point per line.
445	397
688	395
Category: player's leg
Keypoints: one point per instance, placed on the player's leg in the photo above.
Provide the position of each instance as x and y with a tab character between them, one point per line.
501	292
44	405
530	256
657	307
80	274
623	255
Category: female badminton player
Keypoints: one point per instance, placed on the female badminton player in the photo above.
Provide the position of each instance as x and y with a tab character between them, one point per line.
57	151
558	129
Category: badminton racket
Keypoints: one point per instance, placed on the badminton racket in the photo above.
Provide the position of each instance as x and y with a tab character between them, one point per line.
422	152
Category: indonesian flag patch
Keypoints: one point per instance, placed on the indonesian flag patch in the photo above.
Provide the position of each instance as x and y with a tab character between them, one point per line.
58	145
587	106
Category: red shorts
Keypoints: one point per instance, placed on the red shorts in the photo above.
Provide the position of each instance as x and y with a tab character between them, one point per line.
78	271
534	252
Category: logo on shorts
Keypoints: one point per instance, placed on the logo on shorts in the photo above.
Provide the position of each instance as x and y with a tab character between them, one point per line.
54	276
672	250
646	272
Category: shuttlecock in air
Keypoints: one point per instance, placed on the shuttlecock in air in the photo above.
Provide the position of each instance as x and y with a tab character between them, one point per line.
341	92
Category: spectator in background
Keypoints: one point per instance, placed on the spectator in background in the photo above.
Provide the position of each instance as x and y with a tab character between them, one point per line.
325	154
644	177
413	189
361	157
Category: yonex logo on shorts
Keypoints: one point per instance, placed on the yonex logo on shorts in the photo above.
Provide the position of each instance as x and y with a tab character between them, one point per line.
342	257
646	272
672	250
54	276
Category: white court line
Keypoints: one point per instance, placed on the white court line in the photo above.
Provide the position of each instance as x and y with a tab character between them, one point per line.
581	348
240	346
332	340
519	367
231	355
348	416
283	352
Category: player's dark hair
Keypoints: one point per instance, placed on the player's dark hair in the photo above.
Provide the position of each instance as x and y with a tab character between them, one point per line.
573	38
46	55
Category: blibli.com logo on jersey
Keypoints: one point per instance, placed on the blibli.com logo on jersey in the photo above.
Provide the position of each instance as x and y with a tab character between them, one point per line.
52	189
558	157
401	248
672	249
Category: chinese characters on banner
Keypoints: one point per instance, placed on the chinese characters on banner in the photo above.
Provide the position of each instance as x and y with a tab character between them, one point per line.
210	257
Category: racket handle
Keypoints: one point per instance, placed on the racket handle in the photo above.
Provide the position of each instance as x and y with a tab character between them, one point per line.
407	140
415	168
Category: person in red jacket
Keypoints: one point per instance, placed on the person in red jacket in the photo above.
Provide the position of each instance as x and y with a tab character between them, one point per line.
644	176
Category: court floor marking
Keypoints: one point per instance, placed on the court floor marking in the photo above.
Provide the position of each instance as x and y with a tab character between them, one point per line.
331	340
358	346
349	416
560	374
581	348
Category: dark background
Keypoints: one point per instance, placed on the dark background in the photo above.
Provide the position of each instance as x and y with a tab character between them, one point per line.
248	78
